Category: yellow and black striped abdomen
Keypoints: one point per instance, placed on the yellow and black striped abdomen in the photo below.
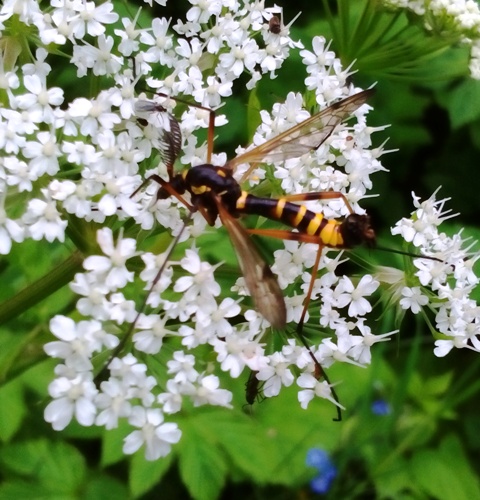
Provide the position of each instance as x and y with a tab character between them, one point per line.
295	216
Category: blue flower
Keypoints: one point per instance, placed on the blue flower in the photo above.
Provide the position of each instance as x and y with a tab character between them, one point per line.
326	470
381	407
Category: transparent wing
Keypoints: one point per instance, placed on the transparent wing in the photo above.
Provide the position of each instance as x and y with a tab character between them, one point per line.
169	139
304	137
261	282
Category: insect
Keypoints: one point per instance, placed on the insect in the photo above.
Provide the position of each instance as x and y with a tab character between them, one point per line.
252	388
274	25
214	192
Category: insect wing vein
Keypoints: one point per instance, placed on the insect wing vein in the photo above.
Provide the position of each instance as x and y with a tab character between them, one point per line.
304	137
259	279
169	140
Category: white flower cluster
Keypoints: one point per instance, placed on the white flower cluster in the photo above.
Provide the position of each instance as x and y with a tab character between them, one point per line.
451	18
81	160
445	284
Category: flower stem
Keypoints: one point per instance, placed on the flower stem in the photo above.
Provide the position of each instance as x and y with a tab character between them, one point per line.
42	288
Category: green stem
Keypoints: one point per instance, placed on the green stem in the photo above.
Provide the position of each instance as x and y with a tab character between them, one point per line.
42	288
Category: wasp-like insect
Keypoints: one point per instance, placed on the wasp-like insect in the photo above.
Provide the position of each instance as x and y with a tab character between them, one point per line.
214	192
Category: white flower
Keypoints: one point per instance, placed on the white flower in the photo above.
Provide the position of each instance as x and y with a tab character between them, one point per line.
182	365
172	400
44	155
9	230
128	370
40	101
314	387
347	294
157	436
413	299
202	10
91	18
152	331
160	42
201	283
72	397
42	219
208	392
213	317
112	267
320	57
113	403
241	57
275	375
77	342
233	353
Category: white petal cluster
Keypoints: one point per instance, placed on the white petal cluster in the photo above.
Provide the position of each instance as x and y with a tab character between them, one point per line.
445	285
77	161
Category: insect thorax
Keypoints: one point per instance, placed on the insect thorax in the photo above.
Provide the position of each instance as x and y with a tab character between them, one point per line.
204	181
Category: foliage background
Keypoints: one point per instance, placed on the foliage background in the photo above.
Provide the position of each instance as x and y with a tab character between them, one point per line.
427	446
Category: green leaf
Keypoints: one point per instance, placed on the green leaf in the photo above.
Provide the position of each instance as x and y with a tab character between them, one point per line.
463	103
436	386
57	466
12	409
203	467
474	133
20	489
248	445
145	474
392	482
112	444
102	487
445	473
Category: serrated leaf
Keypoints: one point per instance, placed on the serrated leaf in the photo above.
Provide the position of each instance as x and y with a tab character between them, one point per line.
102	487
112	444
202	464
394	481
247	445
463	103
12	409
445	473
436	386
64	466
145	474
20	489
58	466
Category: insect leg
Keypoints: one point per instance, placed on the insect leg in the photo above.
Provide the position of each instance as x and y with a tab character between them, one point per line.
322	195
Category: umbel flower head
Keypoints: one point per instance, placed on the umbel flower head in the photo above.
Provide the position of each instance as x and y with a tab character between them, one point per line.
76	164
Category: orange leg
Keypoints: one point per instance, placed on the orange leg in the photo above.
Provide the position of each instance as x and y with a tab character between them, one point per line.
305	238
211	121
285	234
322	195
166	185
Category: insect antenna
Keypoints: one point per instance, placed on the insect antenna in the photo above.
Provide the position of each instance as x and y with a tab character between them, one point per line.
408	254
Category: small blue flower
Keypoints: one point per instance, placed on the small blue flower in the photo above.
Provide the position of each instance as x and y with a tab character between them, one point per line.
326	470
318	458
381	407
